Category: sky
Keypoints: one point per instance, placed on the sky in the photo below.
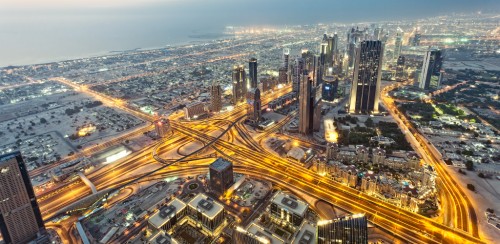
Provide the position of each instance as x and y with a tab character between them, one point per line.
248	11
33	31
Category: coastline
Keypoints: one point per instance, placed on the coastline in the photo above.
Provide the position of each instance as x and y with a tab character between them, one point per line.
190	40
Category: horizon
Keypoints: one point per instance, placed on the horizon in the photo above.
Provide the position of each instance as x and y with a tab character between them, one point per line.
85	29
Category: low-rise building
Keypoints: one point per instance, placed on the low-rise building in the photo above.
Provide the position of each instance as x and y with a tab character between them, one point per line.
194	110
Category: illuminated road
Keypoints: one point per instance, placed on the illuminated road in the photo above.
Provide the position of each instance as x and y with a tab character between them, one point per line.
108	177
459	209
405	224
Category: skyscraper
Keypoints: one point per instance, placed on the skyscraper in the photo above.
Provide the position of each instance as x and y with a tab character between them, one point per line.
311	63
298	68
253	99
350	229
286	57
400	69
215	97
239	84
282	76
306	104
329	51
430	77
252	70
354	36
20	217
221	175
398	43
316	114
377	33
335	48
365	87
416	39
323	51
330	85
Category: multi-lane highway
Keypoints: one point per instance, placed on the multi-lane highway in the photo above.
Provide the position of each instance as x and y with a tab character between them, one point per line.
459	209
405	224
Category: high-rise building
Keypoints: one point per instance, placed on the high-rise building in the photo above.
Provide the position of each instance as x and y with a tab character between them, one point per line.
207	213
282	76
354	36
335	48
317	115
398	43
169	215
365	87
378	33
20	217
400	69
239	84
298	68
416	39
323	51
330	85
328	49
288	209
351	53
221	175
430	78
267	83
311	63
306	104
286	57
350	229
162	127
215	97
252	72
253	99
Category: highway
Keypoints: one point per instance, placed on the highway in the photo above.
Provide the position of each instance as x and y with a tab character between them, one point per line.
51	202
250	157
460	208
405	224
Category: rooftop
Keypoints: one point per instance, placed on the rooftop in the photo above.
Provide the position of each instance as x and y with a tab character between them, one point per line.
220	164
206	205
161	217
162	238
264	234
306	235
291	203
8	156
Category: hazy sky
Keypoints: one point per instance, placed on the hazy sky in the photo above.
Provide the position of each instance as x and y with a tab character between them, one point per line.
248	11
33	31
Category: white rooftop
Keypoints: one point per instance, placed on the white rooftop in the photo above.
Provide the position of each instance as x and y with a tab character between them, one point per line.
259	231
162	238
206	205
164	214
291	203
296	153
306	235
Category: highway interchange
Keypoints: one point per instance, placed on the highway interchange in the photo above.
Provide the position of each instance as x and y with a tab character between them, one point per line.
252	159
